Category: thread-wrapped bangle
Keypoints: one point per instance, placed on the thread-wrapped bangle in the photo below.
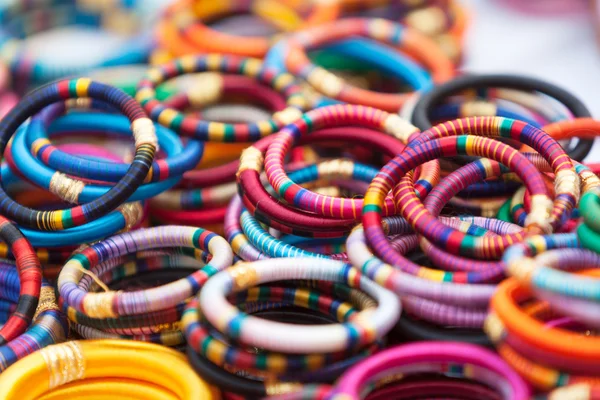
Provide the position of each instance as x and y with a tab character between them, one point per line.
214	131
483	365
78	370
435	96
324	118
146	143
404	39
20	21
114	304
335	338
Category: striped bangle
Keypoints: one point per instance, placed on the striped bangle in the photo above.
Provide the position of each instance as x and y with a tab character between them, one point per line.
21	20
215	131
179	158
324	118
308	339
49	325
113	304
146	143
452	359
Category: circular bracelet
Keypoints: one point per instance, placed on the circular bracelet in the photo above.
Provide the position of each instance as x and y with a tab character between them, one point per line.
471	361
324	118
215	131
48	327
114	304
180	159
83	372
182	32
20	21
418	46
237	325
435	96
143	132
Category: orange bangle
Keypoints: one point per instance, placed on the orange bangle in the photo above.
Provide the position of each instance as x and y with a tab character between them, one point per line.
182	32
583	128
504	303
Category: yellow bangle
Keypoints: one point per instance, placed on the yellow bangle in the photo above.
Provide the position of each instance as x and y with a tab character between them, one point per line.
104	369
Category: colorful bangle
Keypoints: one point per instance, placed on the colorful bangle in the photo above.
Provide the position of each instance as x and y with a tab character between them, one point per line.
421	47
421	115
214	131
362	330
114	304
324	118
145	147
78	370
465	360
21	21
48	327
182	33
179	158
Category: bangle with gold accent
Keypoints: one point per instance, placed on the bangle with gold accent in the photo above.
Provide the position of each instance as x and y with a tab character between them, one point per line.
80	370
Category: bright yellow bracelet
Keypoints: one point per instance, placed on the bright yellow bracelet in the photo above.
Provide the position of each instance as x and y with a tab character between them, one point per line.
104	369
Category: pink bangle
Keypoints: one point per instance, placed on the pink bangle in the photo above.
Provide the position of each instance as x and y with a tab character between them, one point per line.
453	358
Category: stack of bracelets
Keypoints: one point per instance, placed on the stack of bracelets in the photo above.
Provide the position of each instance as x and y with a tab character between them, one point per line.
318	203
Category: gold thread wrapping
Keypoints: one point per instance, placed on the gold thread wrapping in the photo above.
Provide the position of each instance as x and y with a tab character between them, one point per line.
243	276
252	158
47	301
65	363
99	305
206	89
132	213
144	132
277	388
287	116
430	21
338	168
399	128
66	188
478	108
78	103
541	208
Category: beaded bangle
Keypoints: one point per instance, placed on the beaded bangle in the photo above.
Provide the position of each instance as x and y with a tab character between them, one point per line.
438	94
182	34
21	21
49	325
114	304
145	147
362	330
454	359
78	370
213	131
424	50
179	159
324	118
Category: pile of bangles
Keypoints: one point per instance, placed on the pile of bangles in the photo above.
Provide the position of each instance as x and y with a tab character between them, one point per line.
317	203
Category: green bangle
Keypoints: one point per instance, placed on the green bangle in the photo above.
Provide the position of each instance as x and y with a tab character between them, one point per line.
589	206
504	212
589	238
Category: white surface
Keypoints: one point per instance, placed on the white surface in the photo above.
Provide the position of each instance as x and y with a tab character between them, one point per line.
561	49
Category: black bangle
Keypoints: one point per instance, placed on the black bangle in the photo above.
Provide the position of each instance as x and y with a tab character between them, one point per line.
412	330
427	102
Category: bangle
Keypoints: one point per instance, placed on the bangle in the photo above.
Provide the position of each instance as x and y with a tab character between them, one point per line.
145	147
48	327
421	113
286	219
324	118
421	47
471	361
114	304
581	390
215	131
413	329
434	387
30	279
181	33
83	363
19	22
179	158
362	330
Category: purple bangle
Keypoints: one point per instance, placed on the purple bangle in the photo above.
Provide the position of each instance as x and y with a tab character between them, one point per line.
456	357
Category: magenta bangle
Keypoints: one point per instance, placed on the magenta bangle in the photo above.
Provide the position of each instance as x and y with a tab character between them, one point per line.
455	357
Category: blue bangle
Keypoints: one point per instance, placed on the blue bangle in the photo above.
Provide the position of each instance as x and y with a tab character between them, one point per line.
390	62
447	112
180	159
41	175
18	21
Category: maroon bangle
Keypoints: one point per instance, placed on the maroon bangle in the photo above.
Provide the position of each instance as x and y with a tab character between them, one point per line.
193	218
269	210
435	388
